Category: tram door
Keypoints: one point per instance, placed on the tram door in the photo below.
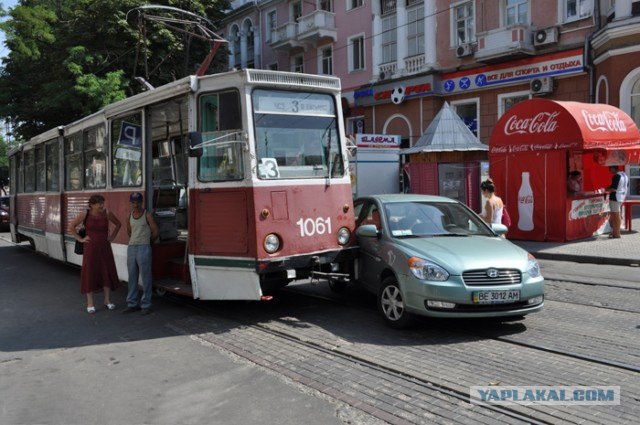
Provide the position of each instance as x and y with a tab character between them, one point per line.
167	127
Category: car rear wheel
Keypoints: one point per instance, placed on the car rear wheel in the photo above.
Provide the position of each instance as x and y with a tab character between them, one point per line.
391	304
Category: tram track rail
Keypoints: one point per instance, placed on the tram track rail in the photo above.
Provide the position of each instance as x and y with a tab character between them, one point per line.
467	331
516	413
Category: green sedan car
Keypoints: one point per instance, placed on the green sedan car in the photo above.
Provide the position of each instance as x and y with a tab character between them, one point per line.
433	256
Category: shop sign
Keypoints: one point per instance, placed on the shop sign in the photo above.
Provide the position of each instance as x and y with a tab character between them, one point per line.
377	141
395	93
564	63
581	208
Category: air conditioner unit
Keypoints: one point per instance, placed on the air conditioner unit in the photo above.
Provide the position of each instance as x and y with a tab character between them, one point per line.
541	86
545	36
464	50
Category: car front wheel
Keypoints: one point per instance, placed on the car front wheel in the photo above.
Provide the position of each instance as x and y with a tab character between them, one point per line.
391	304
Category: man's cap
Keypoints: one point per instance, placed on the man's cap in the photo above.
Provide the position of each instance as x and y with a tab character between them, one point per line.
135	197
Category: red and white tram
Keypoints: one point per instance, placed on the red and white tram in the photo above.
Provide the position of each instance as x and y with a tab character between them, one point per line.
246	173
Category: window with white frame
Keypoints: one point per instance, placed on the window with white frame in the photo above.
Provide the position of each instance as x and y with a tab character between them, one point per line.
516	12
271	23
297	63
507	100
326	61
389	39
326	5
577	9
464	22
356	53
352	4
469	111
415	31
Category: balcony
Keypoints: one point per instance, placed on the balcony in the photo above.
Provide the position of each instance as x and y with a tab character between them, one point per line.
317	26
414	64
502	43
285	37
387	70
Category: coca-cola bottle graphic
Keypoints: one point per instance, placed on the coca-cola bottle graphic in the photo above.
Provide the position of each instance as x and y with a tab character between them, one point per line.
525	204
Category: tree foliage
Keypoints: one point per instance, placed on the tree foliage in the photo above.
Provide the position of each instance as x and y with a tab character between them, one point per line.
69	58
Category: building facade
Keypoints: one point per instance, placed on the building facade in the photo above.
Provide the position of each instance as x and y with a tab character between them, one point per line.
399	61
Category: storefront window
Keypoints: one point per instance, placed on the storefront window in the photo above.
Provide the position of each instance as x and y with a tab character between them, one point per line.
469	112
451	181
507	101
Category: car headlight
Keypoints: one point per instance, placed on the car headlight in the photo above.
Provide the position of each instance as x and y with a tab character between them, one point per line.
533	267
343	236
426	270
3	213
271	243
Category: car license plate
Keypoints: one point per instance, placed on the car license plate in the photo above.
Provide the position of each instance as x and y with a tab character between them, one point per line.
496	297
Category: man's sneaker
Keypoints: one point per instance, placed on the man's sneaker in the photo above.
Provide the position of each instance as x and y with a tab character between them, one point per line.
146	311
130	310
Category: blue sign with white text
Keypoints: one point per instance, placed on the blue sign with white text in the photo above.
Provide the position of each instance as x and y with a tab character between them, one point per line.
130	134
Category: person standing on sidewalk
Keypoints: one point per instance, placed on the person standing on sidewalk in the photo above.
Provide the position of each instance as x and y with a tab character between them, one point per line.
98	273
142	230
617	194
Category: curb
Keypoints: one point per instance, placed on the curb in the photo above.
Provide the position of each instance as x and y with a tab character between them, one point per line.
629	262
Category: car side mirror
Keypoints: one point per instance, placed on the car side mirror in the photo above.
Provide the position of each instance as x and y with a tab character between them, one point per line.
500	229
368	231
195	144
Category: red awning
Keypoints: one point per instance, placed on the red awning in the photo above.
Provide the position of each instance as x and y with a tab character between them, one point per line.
543	125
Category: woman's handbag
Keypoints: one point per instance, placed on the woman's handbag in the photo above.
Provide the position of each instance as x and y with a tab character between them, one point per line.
82	232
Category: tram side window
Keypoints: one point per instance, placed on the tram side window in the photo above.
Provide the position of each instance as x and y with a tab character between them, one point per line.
223	137
41	177
13	167
20	172
53	167
29	171
126	151
95	158
73	162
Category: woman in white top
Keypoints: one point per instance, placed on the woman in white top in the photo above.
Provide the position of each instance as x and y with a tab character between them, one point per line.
492	209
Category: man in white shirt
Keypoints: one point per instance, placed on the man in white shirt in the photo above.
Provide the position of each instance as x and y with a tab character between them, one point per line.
617	194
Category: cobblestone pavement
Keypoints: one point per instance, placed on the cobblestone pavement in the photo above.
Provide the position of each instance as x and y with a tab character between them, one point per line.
424	375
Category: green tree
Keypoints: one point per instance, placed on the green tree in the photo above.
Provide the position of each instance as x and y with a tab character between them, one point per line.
69	58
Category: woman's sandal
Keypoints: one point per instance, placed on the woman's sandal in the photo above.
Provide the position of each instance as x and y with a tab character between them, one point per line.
110	306
91	310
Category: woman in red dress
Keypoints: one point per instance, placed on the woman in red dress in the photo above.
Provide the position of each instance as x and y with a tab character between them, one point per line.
98	266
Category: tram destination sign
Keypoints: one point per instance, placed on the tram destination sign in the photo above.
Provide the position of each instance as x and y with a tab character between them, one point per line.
314	105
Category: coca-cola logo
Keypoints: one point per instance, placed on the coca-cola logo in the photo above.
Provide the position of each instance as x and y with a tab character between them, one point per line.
526	199
543	122
603	121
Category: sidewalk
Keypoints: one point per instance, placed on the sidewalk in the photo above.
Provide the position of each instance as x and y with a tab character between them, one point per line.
598	250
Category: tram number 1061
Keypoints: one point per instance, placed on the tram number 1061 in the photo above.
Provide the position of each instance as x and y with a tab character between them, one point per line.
310	227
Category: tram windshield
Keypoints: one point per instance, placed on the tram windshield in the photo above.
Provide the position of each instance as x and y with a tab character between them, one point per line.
296	135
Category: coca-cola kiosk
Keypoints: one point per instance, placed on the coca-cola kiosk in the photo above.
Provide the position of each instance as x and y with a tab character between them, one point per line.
533	148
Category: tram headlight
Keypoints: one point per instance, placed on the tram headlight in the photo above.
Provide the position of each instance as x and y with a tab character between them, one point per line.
343	235
271	243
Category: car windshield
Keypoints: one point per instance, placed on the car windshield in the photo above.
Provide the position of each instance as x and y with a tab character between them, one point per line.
4	201
431	219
